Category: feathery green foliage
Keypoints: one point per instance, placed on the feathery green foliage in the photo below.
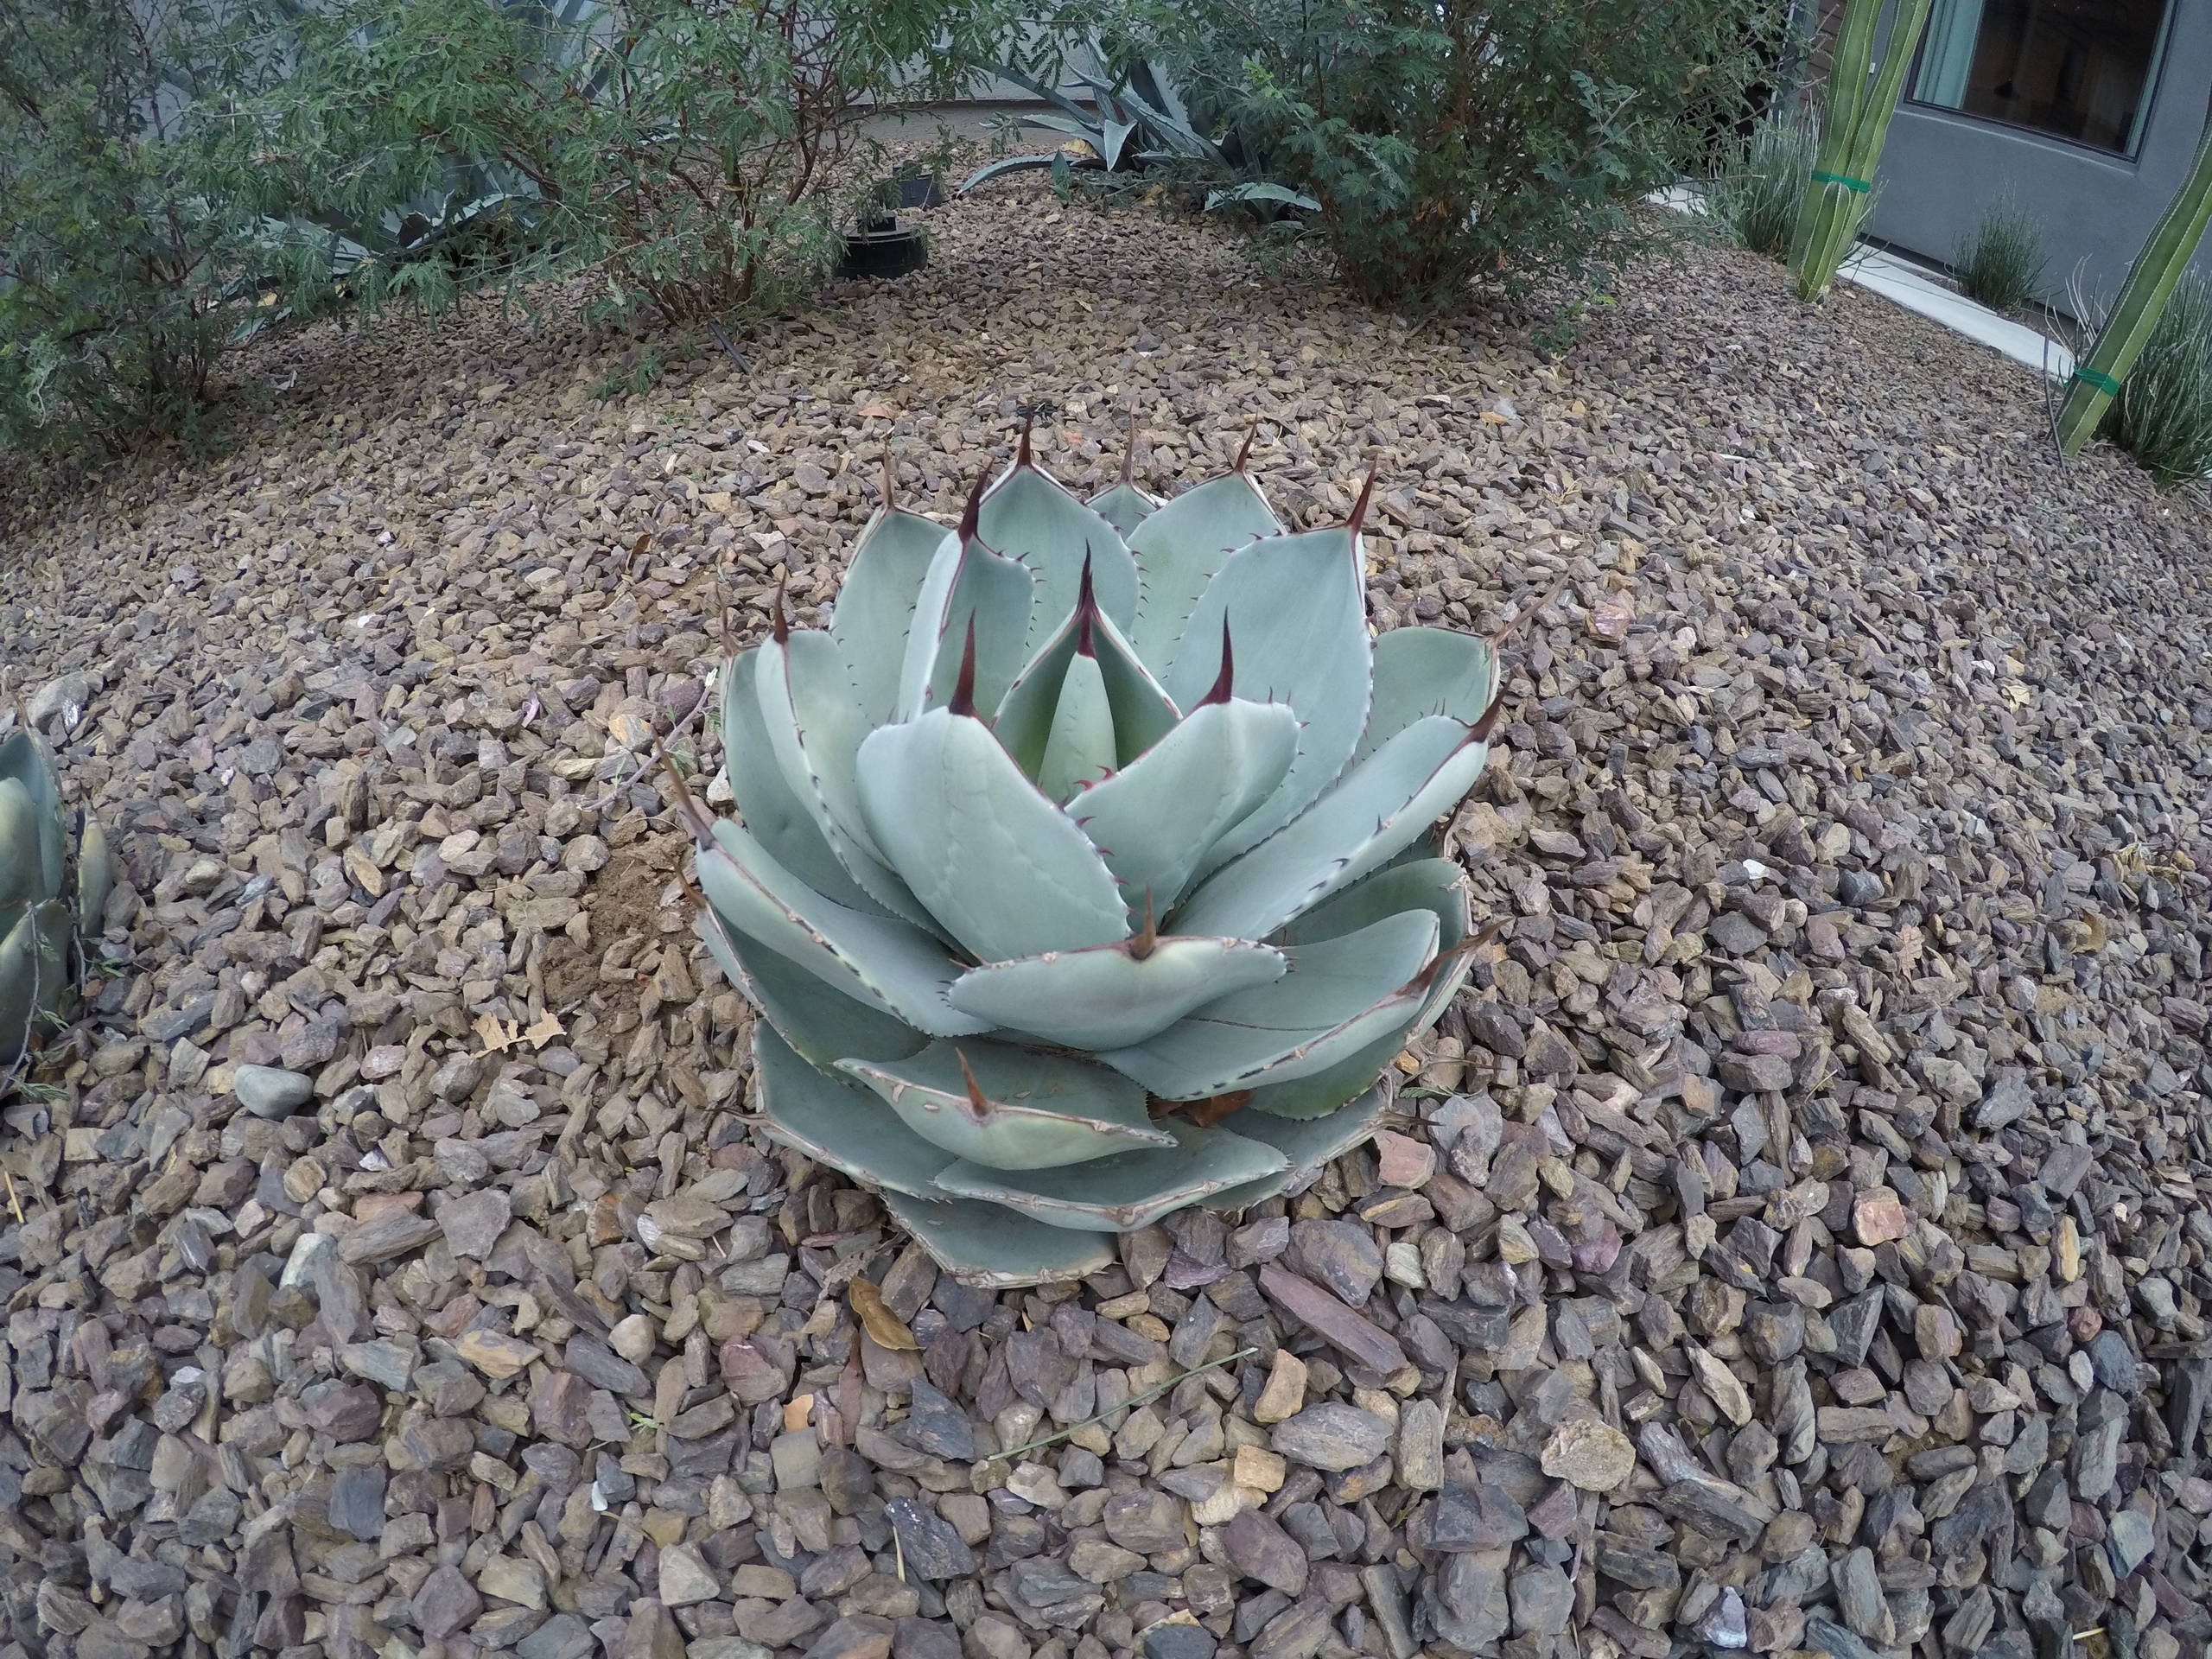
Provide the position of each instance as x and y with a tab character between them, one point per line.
1754	197
2000	263
135	236
1454	141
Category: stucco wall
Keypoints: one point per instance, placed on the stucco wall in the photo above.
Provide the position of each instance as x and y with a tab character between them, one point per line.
1940	169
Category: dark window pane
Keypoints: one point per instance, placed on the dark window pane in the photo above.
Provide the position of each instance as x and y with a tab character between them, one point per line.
2079	69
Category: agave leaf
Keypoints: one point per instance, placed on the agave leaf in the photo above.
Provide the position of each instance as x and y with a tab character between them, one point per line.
836	1121
1080	746
875	605
1421	671
95	878
1124	506
994	1248
990	170
823	1025
1004	870
1182	547
887	963
1339	996
1307	1145
1106	996
1378	807
1298	615
1126	1190
814	726
21	867
1026	515
1318	1093
966	581
1142	711
24	757
1154	820
1038	1110
779	819
1437	883
34	972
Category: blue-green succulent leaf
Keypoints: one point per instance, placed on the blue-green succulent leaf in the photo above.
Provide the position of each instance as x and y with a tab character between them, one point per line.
1339	996
967	582
764	797
1421	671
1378	807
1124	506
1026	515
1153	821
1141	710
1297	617
1002	868
821	1024
875	605
814	726
837	1122
1182	547
887	963
25	757
22	871
1080	746
1039	1110
1307	1145
1106	996
1126	1190
996	1249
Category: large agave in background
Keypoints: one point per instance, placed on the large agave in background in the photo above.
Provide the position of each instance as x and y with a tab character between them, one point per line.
1080	871
42	900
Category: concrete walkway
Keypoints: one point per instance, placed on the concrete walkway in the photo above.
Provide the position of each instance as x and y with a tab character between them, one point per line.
1910	286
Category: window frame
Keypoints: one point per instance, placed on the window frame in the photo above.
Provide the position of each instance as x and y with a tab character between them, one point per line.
2153	85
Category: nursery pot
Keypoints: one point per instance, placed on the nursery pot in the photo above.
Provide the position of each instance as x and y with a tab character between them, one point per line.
883	248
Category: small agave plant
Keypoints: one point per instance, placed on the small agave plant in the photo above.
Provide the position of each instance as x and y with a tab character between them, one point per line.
44	902
1081	870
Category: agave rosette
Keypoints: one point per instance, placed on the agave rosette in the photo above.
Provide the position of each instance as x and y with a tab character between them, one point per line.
1081	870
43	899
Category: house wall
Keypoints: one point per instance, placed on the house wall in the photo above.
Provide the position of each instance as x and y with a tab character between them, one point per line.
1940	170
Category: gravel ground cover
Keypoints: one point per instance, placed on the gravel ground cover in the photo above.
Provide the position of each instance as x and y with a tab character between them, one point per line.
1794	1240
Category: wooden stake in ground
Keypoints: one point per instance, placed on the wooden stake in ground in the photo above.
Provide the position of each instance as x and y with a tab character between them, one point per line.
2151	280
1854	124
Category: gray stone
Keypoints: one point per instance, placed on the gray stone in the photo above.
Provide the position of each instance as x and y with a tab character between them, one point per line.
932	1548
267	1092
1149	1522
1543	1599
1332	1435
2129	1538
685	1579
474	1221
445	1603
1258	1547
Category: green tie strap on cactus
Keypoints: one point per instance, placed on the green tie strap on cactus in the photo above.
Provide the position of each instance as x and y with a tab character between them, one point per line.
2150	284
1083	870
1854	126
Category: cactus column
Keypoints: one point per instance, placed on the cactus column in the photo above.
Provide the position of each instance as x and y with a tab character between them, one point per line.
2151	282
1854	127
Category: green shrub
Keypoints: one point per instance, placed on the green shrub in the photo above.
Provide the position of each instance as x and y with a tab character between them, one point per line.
1754	198
134	239
2163	415
690	158
2002	261
1448	140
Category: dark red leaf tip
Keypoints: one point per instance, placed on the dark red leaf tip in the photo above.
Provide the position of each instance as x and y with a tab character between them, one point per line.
1244	449
1143	943
1482	727
979	1103
963	690
1129	450
971	513
1028	419
1223	680
781	623
1359	507
1086	610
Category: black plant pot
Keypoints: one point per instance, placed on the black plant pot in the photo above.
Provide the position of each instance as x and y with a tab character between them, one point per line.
884	248
920	190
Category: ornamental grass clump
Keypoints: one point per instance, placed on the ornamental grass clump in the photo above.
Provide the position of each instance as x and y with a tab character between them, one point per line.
1082	868
2002	263
1755	199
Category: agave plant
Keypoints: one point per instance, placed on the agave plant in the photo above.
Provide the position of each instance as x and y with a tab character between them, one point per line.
42	901
1081	872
